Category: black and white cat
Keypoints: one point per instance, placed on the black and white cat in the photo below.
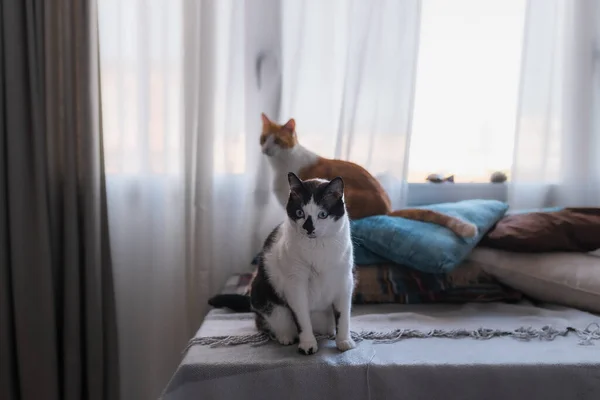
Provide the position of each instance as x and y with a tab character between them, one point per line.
304	280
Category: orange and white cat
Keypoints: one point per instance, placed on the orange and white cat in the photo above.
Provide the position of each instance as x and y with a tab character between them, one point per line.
364	195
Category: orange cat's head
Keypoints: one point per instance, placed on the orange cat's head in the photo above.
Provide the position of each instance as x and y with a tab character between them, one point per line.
275	137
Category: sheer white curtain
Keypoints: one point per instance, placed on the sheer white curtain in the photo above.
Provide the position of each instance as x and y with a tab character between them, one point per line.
183	86
348	79
141	46
558	136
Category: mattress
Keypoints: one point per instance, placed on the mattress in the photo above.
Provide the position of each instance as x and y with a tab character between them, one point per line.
547	352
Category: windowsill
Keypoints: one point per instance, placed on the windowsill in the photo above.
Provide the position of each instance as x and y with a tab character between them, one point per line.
419	194
428	193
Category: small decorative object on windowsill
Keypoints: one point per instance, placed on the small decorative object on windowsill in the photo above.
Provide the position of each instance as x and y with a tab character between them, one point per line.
498	177
438	178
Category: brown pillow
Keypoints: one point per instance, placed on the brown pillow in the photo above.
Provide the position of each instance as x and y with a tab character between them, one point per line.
570	229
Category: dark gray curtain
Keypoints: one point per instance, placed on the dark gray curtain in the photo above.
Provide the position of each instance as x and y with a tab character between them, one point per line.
57	314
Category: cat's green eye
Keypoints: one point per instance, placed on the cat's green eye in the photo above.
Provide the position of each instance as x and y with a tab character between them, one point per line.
323	214
299	213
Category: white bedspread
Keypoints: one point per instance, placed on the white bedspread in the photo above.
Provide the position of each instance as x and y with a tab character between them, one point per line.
431	368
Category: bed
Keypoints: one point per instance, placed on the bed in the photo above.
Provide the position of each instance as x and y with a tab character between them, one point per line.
491	343
469	351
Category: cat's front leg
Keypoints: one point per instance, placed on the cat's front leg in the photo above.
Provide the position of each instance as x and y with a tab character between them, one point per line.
297	299
341	312
281	324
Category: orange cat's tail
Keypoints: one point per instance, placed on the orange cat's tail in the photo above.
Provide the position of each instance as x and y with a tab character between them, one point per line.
456	225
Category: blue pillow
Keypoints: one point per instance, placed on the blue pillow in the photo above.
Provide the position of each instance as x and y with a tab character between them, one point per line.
423	246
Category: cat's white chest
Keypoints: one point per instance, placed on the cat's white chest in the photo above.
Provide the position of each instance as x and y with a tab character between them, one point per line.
323	271
330	270
321	292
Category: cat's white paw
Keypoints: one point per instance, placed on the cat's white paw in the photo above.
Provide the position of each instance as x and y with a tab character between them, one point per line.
286	340
344	345
308	346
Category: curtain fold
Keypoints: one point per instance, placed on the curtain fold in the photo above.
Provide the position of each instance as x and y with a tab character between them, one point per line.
57	314
558	136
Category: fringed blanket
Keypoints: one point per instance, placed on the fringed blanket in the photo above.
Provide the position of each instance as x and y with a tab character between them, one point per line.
507	351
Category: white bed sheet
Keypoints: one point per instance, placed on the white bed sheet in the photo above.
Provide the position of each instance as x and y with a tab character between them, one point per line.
432	368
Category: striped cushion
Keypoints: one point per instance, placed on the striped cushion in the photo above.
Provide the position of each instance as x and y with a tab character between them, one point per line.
391	283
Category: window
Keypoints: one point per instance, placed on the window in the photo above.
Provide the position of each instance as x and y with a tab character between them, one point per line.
464	106
141	57
466	89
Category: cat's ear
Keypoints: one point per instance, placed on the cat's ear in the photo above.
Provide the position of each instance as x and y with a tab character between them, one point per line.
295	182
289	126
265	120
335	188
